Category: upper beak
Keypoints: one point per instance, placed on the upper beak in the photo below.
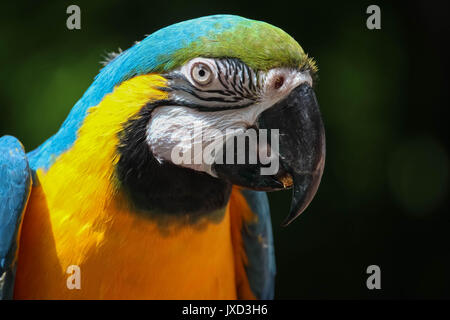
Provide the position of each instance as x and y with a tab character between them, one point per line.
301	151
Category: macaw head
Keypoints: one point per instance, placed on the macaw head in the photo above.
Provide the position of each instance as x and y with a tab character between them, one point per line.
235	106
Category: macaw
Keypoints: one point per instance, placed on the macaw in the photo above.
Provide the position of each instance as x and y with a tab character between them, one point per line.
105	195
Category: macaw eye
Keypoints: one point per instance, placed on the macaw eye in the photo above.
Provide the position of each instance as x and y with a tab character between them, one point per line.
201	73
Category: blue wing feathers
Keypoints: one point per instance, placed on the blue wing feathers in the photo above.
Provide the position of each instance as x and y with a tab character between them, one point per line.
15	187
258	242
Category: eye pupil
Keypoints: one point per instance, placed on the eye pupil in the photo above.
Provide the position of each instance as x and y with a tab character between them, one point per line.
201	73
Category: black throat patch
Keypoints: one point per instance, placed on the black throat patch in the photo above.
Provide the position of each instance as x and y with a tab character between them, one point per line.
159	189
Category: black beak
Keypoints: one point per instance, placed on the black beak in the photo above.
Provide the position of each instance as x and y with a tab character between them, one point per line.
301	151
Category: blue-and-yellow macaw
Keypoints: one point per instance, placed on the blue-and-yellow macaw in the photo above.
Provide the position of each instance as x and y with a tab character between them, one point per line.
104	193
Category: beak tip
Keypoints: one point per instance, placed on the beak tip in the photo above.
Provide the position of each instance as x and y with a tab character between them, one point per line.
292	216
286	222
305	188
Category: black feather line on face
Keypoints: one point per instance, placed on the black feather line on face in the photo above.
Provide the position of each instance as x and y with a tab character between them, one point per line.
158	190
220	77
198	107
238	82
193	92
225	96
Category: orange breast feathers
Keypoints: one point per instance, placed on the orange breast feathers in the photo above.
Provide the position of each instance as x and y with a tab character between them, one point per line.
76	217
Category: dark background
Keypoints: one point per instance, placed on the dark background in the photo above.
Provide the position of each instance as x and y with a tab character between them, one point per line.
383	94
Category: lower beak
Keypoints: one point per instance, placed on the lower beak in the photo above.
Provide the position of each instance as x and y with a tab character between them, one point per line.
301	151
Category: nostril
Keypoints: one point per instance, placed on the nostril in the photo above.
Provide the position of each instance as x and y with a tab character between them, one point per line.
279	81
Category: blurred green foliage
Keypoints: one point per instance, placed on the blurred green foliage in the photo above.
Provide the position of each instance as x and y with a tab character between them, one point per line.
383	95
